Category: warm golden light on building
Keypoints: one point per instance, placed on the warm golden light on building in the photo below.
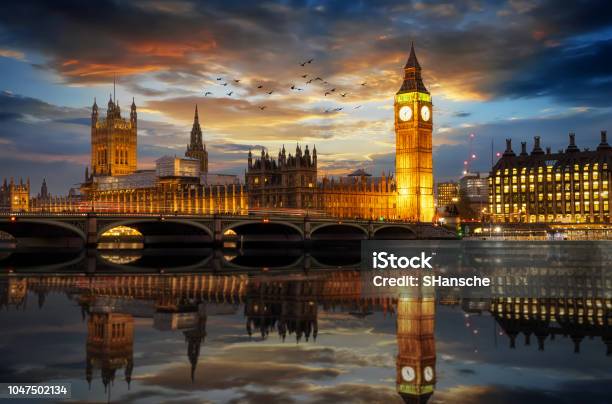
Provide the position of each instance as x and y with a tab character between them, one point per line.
113	141
570	186
290	182
413	149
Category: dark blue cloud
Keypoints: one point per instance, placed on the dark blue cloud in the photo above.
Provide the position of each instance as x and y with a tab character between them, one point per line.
577	75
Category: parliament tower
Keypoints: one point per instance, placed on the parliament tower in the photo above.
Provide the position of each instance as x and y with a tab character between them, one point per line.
413	146
416	348
196	149
113	140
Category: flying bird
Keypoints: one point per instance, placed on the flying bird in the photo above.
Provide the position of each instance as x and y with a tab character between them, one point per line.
364	83
260	86
219	78
224	84
318	78
309	81
358	106
236	81
326	93
262	108
343	95
206	94
230	93
270	92
309	61
304	76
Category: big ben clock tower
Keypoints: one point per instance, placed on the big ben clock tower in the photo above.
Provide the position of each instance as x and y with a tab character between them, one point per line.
413	146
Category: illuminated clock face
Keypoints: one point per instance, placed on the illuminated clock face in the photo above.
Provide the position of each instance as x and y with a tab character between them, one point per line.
408	373
428	373
405	113
425	113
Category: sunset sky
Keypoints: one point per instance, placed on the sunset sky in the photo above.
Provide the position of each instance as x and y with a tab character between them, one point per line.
497	69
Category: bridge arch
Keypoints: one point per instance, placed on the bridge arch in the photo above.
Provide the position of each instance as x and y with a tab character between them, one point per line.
339	231
23	227
142	224
266	230
394	232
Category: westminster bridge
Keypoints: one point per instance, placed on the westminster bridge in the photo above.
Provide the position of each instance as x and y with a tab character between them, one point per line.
78	229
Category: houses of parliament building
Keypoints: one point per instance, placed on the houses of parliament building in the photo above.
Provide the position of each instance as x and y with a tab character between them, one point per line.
184	184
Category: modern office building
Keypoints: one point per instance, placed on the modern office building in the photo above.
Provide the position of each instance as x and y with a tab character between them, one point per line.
447	193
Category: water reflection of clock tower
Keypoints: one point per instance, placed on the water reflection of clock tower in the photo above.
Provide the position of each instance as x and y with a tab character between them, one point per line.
416	349
413	148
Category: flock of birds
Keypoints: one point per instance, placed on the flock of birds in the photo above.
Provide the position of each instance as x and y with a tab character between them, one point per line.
328	90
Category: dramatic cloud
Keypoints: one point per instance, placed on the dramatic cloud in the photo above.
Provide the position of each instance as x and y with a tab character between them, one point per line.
484	63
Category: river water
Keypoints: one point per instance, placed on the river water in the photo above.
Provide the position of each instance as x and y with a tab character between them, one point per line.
285	325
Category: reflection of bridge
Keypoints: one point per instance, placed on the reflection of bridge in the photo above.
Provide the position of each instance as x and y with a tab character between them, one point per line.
77	229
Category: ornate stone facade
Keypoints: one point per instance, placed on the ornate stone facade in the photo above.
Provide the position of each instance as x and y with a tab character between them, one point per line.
413	147
113	141
289	182
196	149
15	197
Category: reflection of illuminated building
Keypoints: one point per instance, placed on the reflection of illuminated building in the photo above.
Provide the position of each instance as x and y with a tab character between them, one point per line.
575	318
13	292
194	337
287	306
416	356
570	186
121	259
110	344
191	319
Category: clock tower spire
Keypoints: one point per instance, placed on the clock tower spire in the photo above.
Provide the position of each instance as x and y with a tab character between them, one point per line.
413	145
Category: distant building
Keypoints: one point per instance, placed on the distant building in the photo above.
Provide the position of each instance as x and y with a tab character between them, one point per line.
473	196
176	167
474	188
446	193
196	149
44	192
571	186
15	197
